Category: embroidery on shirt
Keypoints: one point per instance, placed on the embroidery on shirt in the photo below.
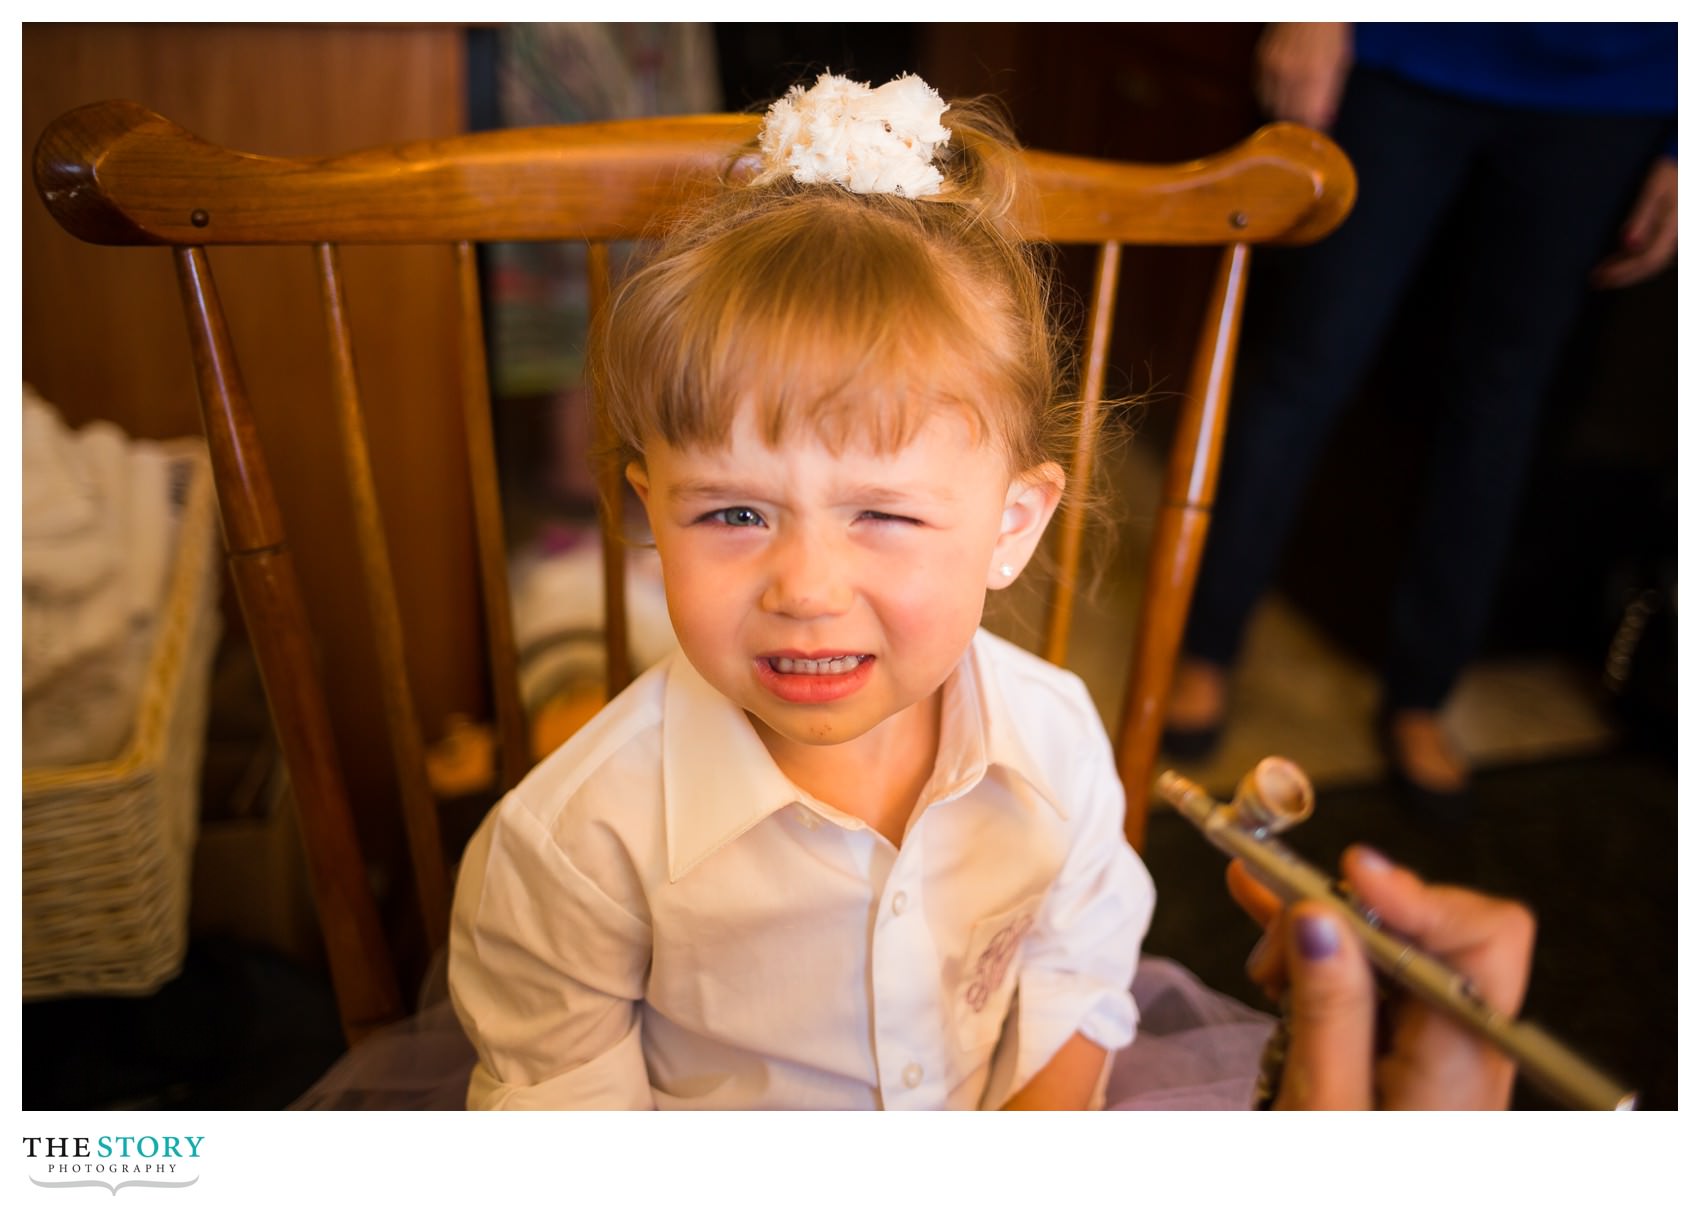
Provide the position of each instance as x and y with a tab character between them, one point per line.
993	962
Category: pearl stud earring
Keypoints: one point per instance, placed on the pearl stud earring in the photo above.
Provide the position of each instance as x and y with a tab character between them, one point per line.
1007	571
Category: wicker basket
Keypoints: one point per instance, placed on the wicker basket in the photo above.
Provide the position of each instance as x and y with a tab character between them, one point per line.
107	845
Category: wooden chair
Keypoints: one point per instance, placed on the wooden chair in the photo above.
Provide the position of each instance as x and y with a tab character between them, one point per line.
116	173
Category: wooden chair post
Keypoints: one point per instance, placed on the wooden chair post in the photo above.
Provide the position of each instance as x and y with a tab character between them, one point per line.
407	743
513	739
1183	518
1099	324
264	575
611	489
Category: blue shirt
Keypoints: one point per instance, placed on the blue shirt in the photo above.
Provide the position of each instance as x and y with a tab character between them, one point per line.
1624	68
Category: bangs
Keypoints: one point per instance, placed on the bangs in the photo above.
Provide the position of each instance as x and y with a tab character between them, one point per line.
829	320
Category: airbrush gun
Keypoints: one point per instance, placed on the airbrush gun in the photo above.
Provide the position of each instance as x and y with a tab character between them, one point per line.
1276	795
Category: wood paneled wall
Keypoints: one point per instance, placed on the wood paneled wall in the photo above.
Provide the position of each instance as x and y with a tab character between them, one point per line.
104	336
1150	91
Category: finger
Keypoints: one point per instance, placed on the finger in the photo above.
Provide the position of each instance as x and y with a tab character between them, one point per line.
1648	239
1266	966
1266	92
1654	207
1259	903
1616	271
1267	79
1318	104
1661	239
1331	1014
1489	939
1396	893
1304	101
1638	228
1628	268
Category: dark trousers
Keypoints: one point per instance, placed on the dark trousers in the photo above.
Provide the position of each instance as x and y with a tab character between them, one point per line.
1533	200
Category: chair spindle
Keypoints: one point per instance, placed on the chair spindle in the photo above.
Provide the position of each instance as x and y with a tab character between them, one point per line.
611	507
1099	325
407	743
264	574
513	740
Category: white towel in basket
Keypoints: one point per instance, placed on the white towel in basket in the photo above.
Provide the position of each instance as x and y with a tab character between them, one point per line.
97	534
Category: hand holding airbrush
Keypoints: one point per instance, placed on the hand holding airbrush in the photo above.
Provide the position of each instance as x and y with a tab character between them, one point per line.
1275	795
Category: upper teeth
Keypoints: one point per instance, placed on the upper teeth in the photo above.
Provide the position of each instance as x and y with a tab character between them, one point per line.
843	664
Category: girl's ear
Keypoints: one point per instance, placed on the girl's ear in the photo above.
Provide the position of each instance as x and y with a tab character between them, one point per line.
638	478
1032	499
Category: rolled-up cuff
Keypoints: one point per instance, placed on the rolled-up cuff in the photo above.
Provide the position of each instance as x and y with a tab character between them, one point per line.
617	1080
1050	1008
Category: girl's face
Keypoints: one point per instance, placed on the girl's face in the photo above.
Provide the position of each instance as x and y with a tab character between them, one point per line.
829	594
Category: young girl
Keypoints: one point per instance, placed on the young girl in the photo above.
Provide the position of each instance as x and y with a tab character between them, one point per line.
843	849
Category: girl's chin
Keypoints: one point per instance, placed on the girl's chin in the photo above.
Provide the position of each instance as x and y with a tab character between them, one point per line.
781	730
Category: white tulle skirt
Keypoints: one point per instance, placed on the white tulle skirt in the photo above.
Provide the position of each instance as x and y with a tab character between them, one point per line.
1197	1050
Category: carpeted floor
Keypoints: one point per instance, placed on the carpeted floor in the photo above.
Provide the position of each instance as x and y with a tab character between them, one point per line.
240	1029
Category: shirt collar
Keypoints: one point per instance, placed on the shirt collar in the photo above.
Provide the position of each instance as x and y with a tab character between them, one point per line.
989	721
717	778
705	734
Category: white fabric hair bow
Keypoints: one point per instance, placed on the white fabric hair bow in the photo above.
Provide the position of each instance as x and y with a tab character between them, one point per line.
869	140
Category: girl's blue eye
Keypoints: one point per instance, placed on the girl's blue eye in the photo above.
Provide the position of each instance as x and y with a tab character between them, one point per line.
736	515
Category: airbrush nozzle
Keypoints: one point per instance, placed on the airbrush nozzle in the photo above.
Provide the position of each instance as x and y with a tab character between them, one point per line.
1274	795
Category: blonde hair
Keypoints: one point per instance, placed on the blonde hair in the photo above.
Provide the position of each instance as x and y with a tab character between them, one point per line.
849	317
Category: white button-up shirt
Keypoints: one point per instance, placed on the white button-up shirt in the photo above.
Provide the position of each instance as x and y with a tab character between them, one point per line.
657	917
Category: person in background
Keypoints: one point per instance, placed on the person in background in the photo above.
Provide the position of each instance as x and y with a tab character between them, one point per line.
1548	151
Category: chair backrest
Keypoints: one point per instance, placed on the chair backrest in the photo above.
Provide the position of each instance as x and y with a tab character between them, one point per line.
116	173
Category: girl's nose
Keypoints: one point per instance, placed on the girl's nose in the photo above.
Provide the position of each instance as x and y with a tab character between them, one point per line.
806	578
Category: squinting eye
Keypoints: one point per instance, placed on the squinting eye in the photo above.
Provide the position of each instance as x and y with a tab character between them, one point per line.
736	515
874	515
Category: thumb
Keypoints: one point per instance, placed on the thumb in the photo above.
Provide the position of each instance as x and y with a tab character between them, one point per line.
1331	1014
1653	205
1639	227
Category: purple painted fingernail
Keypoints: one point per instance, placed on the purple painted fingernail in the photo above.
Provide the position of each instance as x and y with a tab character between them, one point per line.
1317	937
1372	858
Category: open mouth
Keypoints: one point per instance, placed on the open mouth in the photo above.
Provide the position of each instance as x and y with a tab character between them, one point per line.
816	667
826	678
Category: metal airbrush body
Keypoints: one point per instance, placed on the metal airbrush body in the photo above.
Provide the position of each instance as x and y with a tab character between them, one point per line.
1276	795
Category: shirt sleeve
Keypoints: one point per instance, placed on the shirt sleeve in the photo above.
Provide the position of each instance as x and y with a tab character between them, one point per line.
1078	959
546	972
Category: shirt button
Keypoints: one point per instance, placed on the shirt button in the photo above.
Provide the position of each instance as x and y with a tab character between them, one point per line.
899	903
912	1075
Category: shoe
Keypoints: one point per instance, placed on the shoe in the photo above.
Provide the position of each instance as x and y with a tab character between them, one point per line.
1449	806
1196	681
